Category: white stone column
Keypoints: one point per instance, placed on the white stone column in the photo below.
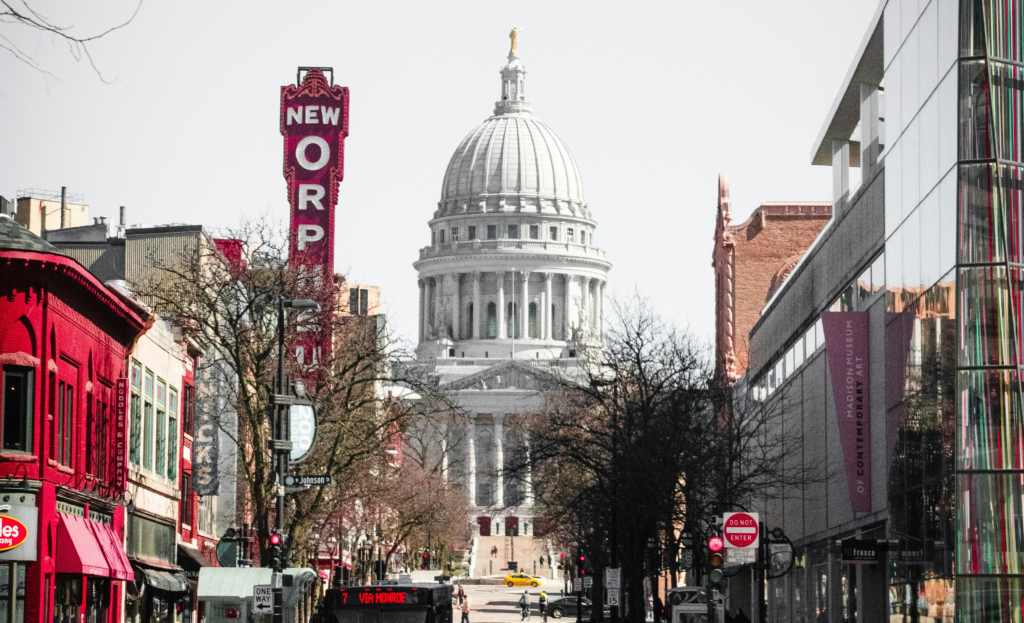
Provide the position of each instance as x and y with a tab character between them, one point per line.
499	462
428	309
423	309
439	319
456	307
524	308
471	459
478	312
601	302
501	305
567	330
547	307
585	302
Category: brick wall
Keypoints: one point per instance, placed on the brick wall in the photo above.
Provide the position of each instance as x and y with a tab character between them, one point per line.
751	260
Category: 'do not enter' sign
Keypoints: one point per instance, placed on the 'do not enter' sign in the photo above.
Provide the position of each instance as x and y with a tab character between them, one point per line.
740	530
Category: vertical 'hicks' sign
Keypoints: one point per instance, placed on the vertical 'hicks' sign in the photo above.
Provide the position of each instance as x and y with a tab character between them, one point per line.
847	346
314	122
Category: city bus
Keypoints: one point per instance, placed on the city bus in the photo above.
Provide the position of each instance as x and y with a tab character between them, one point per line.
389	603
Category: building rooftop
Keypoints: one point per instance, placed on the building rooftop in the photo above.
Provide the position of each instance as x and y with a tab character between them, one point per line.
14	236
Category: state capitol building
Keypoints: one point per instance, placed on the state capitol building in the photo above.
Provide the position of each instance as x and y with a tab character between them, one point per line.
511	285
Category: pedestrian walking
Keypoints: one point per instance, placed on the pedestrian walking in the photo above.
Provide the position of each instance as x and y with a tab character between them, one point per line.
465	609
524	603
462	594
541	561
659	609
543	603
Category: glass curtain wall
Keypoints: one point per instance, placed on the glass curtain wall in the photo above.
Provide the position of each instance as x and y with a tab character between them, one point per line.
990	291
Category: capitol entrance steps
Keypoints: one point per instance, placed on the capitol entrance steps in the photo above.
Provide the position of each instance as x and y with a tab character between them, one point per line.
528	552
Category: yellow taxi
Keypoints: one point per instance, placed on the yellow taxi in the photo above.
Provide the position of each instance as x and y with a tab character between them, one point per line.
521	579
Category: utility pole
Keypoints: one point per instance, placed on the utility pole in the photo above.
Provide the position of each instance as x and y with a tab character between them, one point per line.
281	446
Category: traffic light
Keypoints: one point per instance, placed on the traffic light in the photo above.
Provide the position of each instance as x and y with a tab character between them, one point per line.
275	539
716	559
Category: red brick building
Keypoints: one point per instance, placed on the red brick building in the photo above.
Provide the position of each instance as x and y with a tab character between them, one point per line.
64	339
751	260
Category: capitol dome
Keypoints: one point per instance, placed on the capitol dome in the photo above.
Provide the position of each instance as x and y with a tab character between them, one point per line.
513	268
512	161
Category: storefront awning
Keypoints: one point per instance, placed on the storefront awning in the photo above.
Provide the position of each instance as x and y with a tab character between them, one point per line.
192	560
90	548
162	580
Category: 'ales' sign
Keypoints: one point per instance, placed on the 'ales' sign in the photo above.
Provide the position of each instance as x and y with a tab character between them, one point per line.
12	533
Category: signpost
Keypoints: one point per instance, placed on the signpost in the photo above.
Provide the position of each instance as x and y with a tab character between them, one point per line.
263	599
588	582
741	530
613	597
613	578
577	585
741	556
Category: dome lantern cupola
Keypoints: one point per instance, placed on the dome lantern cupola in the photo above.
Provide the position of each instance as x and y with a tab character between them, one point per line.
513	88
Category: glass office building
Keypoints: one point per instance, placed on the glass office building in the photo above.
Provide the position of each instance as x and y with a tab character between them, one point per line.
929	242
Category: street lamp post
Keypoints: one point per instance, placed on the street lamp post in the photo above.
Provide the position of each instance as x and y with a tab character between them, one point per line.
281	446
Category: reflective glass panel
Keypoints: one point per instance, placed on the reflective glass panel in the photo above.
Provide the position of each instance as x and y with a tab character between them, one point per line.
878	273
990	518
931	266
982	237
1004	23
1006	84
991	435
863	287
894	271
974	135
912	256
984	317
989	599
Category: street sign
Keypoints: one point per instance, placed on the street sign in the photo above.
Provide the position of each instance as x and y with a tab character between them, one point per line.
263	599
741	556
741	530
577	585
613	578
685	559
307	480
588	582
613	597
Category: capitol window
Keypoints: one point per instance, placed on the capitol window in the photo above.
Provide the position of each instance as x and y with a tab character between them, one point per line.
472	232
513	231
553	232
442	236
583	237
492	232
569	236
534	232
455	234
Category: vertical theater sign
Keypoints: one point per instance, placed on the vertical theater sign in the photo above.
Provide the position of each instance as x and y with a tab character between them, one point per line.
314	123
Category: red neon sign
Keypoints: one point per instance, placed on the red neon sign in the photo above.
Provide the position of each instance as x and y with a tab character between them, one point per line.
314	122
379	597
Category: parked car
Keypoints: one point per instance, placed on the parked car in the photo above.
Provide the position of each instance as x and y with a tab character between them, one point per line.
566	607
521	579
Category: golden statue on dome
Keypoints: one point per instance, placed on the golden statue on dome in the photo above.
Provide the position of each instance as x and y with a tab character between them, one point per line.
514	36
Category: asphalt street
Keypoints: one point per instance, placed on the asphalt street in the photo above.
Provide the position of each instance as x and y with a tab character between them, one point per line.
490	603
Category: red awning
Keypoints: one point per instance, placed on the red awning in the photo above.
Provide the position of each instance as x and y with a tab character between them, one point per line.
113	551
90	548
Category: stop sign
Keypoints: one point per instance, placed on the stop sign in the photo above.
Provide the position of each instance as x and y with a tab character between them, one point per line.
740	530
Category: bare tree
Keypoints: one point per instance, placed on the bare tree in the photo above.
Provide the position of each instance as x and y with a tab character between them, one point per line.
24	15
231	306
641	444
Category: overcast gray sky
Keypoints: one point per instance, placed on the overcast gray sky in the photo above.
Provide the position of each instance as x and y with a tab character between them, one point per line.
653	99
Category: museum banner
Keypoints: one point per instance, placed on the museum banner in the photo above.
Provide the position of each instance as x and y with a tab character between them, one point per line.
848	348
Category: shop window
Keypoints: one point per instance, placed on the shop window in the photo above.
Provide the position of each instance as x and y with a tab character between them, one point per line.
161	428
534	232
172	435
492	232
97	600
19	388
65	422
188	410
472	232
186	498
8	571
147	422
67	598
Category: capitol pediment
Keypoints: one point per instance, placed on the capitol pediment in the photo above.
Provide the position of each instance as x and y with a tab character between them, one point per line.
510	375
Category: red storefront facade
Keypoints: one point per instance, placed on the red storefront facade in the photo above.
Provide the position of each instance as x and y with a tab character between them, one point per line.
64	339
